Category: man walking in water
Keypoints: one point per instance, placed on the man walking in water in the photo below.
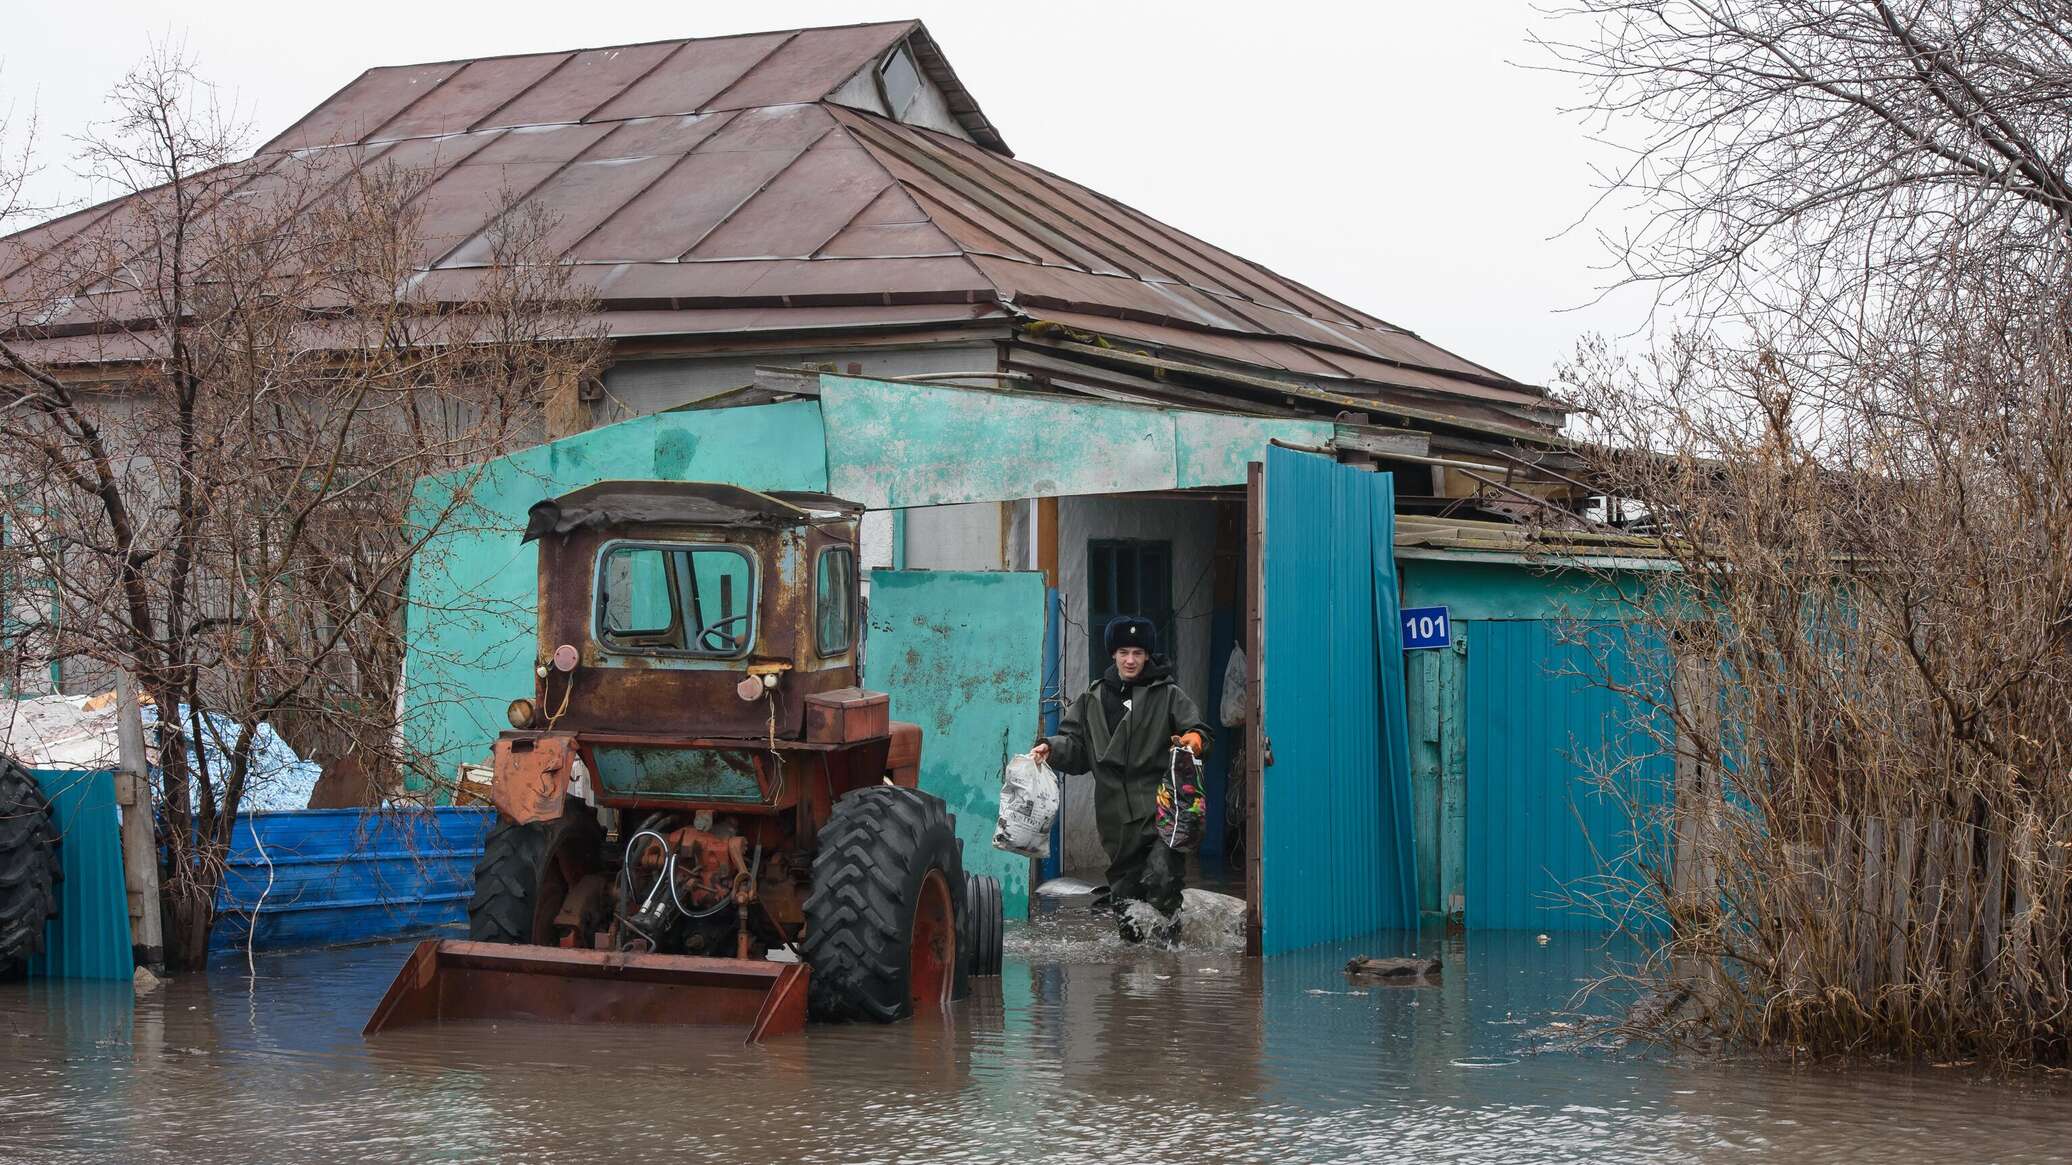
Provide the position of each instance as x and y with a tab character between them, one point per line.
1122	730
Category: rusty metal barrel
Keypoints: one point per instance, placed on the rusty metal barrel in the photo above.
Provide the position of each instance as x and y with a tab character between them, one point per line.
453	980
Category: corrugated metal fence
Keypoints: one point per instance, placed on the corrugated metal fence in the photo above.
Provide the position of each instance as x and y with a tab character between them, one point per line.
90	938
1336	855
1542	725
343	876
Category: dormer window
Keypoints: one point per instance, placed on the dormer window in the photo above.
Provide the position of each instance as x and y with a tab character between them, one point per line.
899	81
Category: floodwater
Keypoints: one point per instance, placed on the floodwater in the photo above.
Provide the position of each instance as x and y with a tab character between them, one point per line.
1085	1050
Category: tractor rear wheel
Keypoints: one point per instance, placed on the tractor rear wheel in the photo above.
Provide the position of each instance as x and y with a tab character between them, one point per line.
525	874
982	925
28	867
881	922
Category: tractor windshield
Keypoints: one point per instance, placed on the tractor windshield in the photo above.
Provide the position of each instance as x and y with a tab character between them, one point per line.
676	598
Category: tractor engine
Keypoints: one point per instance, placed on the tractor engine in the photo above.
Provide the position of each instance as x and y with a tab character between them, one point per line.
683	889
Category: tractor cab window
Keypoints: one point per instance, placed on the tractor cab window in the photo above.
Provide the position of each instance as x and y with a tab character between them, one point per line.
686	600
834	601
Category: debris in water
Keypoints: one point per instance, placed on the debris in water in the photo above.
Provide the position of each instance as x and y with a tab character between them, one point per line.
1543	940
1064	888
145	982
1395	970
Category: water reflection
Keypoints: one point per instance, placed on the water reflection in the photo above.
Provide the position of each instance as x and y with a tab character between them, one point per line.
1085	1050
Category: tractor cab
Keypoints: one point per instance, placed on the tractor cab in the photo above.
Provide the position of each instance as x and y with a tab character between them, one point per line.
697	781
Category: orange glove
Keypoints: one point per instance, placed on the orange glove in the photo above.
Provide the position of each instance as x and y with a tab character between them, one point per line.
1192	742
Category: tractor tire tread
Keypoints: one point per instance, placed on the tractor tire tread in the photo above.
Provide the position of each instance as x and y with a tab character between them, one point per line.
29	867
507	876
874	852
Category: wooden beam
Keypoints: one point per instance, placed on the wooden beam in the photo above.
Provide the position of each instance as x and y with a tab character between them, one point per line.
1047	540
1382	442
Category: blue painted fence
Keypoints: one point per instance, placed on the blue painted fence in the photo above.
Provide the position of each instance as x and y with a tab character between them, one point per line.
1542	724
90	938
343	876
1338	845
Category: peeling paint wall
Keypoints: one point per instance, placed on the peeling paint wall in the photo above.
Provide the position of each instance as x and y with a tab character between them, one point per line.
961	654
907	445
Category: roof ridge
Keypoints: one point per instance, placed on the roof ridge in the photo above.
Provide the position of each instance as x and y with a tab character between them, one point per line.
641	44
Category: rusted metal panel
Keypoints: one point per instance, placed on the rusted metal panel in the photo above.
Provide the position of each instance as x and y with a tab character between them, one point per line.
692	76
531	776
714	174
355	111
468	95
847	714
587	81
808	67
675	773
452	980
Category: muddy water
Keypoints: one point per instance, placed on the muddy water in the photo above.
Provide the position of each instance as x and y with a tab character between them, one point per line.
1083	1051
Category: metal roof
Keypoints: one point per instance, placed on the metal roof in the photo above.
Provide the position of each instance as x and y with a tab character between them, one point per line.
713	185
615	503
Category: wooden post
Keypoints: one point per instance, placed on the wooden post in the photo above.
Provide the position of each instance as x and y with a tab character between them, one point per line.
1255	699
139	845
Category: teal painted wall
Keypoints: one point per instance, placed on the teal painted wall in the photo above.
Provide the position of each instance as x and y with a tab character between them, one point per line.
961	654
473	617
1478	590
898	445
1547	728
1437	681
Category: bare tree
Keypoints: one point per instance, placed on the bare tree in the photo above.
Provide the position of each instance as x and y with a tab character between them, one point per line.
1788	156
216	397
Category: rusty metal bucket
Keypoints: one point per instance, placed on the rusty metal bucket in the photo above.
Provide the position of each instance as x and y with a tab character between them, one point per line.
470	980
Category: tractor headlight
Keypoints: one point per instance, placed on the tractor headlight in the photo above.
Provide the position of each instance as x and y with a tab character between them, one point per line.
521	712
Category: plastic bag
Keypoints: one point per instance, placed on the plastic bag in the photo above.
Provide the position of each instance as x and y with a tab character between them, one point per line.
1183	812
1028	804
1232	709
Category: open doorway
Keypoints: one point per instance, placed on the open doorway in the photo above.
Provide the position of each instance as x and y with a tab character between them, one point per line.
1176	558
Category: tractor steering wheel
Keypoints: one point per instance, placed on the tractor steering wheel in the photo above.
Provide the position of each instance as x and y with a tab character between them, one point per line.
713	637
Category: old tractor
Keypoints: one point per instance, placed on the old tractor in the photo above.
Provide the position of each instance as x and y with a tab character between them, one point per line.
701	818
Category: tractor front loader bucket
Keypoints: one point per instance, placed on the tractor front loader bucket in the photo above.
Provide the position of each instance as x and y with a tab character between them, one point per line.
470	980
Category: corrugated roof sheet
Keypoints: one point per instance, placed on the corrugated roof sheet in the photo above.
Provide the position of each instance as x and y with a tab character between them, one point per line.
715	175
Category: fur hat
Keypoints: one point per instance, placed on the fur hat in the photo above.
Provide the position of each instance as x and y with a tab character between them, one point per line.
1131	631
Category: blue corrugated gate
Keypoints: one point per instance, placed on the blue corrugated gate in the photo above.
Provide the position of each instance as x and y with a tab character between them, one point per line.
90	938
343	876
1336	856
1541	723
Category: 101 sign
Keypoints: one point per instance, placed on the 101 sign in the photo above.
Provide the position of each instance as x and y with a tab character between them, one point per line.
1425	628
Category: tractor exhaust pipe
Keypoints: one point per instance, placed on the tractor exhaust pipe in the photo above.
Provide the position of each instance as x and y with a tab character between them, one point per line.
449	979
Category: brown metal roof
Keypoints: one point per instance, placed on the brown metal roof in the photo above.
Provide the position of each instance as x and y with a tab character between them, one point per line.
714	177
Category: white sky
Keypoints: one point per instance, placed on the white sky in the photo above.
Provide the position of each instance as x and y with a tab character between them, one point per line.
1390	154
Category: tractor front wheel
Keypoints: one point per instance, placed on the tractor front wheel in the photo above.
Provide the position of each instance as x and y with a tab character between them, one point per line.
881	922
525	874
28	867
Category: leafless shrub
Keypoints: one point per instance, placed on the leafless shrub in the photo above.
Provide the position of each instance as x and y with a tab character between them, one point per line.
1863	659
214	402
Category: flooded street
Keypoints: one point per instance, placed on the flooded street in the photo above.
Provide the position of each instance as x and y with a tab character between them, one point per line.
1084	1050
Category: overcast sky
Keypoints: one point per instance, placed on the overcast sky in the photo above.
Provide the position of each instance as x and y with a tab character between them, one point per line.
1396	156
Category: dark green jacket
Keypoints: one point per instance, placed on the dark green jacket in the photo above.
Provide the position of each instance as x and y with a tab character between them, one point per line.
1128	763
